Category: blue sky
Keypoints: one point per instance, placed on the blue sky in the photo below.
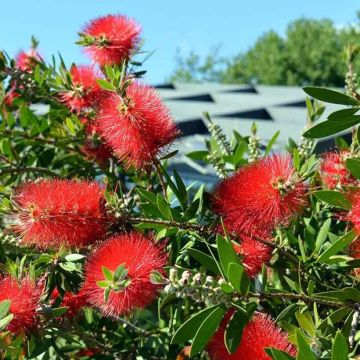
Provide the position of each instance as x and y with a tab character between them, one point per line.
167	24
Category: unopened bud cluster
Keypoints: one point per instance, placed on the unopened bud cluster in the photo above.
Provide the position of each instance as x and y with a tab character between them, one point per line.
8	239
200	288
254	148
217	133
350	80
218	165
305	147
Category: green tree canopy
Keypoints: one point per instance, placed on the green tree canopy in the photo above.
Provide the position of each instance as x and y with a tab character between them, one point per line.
311	52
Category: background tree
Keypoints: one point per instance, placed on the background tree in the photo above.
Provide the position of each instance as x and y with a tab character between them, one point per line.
311	52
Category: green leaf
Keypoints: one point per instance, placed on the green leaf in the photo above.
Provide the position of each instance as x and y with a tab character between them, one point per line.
104	284
198	155
306	322
287	312
322	235
226	252
163	206
340	348
74	257
334	198
327	128
108	274
106	85
206	330
4	322
70	125
188	329
234	330
120	273
336	316
304	351
169	155
277	354
354	166
330	96
107	294
348	293
181	190
157	278
337	246
342	114
238	278
4	308
56	312
207	261
271	142
147	195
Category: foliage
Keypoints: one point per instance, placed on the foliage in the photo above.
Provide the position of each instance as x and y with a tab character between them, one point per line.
311	52
306	296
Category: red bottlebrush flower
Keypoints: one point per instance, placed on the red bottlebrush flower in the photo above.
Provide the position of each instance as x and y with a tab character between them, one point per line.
354	251
254	254
354	214
52	213
260	196
25	298
140	256
136	127
26	61
115	39
96	151
74	302
333	170
261	332
88	352
85	92
10	96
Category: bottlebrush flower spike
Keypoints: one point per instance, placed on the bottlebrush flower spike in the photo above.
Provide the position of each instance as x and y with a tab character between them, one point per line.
136	127
74	302
97	151
85	92
354	214
261	332
260	196
333	170
52	213
114	38
254	254
26	61
25	298
140	256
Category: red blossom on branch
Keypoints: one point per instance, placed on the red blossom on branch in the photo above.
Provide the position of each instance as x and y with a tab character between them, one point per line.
140	257
96	151
254	254
333	170
116	37
25	298
354	214
52	213
138	126
74	302
260	196
26	61
85	92
260	333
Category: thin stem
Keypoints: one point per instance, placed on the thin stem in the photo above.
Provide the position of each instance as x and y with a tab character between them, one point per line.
170	223
300	297
160	175
29	169
203	230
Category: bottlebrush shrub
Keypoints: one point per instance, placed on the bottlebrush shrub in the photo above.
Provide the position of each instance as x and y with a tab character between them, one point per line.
107	254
